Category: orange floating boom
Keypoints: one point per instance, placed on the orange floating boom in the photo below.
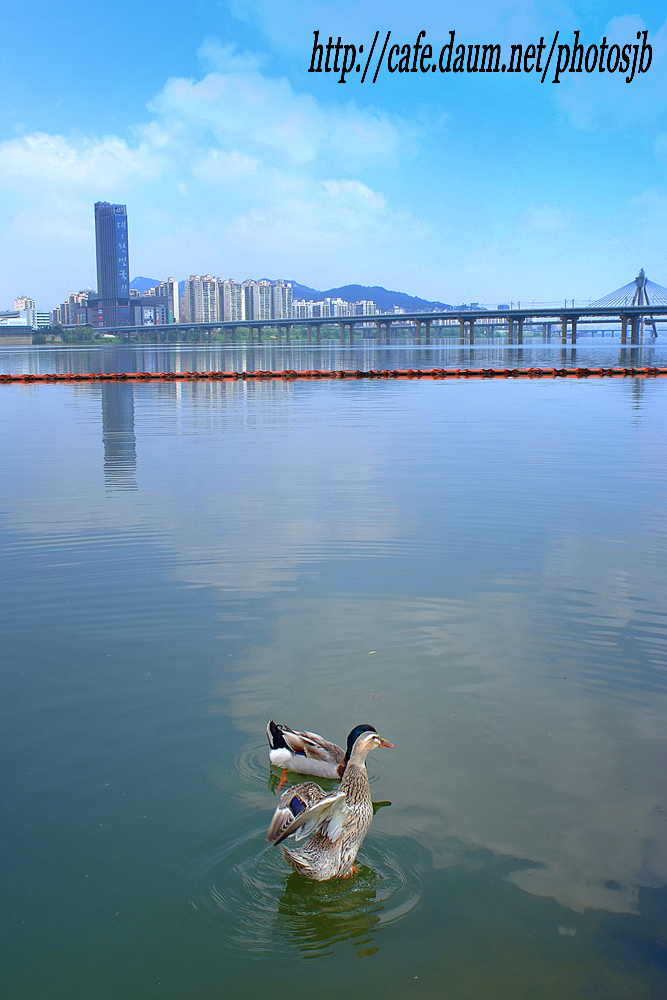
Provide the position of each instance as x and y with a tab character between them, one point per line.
290	375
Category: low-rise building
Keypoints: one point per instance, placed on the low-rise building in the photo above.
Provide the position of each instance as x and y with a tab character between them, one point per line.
328	307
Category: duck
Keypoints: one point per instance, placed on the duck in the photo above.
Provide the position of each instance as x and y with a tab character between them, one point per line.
336	822
309	753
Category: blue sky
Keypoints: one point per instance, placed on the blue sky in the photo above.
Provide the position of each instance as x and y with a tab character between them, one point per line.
234	160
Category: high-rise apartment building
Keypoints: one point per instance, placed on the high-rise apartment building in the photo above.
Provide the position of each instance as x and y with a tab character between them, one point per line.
210	300
200	300
167	290
365	307
281	300
231	301
113	263
257	299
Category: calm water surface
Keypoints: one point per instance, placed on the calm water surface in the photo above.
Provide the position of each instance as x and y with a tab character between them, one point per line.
475	568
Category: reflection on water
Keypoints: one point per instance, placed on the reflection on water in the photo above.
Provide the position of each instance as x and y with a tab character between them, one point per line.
241	897
120	454
317	915
475	568
588	352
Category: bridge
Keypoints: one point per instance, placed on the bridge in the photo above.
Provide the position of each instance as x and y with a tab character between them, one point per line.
635	308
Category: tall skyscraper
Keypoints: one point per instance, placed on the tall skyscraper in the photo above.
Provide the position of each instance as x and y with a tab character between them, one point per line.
113	263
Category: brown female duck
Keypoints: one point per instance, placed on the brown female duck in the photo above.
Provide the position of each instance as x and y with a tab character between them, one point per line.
336	822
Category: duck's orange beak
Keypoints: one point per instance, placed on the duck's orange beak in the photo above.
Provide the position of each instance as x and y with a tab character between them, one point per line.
385	743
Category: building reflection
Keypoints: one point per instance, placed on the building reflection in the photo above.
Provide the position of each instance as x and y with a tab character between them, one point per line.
120	447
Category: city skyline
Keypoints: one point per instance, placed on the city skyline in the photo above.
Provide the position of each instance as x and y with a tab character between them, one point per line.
232	158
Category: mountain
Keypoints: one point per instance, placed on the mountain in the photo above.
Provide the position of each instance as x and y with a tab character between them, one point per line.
384	299
143	284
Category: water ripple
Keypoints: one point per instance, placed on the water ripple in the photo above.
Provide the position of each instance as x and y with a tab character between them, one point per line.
241	896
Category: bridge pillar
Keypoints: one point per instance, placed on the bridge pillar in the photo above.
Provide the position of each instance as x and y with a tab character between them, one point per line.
428	331
341	327
378	331
318	333
510	329
634	329
462	330
519	329
563	329
624	329
351	327
573	329
288	333
309	333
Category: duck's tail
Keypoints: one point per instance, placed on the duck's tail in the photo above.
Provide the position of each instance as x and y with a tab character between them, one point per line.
275	736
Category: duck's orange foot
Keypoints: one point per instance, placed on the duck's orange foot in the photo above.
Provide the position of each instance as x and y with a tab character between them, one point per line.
282	781
353	871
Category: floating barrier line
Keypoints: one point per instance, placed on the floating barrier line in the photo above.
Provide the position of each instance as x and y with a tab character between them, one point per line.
289	375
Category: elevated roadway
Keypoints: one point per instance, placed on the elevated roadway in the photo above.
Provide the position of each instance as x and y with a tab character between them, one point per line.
512	322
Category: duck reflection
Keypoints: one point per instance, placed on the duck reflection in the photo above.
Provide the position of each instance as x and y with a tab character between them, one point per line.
313	916
279	780
120	448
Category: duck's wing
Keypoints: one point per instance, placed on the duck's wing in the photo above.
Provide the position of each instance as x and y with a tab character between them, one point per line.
305	808
304	743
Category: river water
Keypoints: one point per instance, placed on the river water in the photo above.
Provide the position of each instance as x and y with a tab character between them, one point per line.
477	568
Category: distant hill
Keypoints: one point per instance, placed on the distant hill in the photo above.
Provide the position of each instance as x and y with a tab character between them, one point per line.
143	284
384	299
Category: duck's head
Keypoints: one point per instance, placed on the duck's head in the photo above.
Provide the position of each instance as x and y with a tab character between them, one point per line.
364	739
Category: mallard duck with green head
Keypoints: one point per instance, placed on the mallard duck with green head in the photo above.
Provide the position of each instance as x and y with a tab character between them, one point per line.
336	822
309	753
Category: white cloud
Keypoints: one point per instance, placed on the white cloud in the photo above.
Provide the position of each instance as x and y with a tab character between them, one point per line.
234	158
66	163
228	58
265	115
